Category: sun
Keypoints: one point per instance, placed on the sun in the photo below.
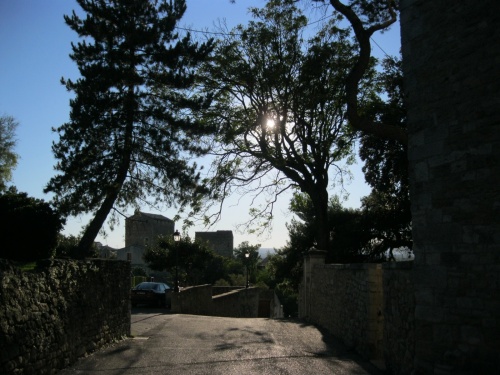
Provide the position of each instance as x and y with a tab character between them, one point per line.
270	124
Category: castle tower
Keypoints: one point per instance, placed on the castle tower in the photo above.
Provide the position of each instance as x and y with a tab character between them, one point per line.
142	229
220	241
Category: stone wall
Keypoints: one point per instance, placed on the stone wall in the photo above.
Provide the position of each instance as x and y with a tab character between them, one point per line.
195	300
224	289
347	300
224	301
370	307
61	311
452	79
399	317
241	303
269	305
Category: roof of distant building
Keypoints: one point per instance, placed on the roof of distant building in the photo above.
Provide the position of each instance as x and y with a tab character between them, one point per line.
215	232
137	214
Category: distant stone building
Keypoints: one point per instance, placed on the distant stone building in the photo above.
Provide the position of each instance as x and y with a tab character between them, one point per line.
221	241
105	251
142	229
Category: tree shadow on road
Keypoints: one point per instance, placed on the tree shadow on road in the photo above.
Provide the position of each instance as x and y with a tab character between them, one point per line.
336	348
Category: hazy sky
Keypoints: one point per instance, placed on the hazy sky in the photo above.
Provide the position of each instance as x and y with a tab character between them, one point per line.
34	49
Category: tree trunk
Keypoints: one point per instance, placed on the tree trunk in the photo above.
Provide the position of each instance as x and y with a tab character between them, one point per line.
95	225
320	204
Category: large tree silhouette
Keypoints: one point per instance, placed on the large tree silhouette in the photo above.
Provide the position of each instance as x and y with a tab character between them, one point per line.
280	108
130	131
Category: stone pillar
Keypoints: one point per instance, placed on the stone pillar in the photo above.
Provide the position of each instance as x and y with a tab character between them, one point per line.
451	61
313	257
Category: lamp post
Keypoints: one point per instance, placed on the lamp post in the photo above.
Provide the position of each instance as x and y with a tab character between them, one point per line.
177	238
247	256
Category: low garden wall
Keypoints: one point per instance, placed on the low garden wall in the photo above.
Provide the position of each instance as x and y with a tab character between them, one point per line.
59	312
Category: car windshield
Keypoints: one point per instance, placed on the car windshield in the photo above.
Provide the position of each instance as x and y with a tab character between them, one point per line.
151	286
147	286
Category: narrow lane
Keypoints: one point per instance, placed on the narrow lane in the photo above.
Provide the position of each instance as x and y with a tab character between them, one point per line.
188	344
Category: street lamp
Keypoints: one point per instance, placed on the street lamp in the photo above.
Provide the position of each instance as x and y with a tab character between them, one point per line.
247	256
177	238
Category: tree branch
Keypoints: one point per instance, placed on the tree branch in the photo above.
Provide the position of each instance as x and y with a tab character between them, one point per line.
363	35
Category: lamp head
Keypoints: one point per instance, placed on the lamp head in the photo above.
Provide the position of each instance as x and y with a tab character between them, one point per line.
177	236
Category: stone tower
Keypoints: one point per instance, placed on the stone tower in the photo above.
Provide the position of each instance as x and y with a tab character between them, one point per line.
220	241
451	59
142	228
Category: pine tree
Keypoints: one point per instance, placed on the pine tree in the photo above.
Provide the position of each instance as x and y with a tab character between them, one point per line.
131	131
8	158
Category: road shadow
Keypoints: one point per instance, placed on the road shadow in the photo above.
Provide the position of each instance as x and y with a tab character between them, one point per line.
145	309
335	347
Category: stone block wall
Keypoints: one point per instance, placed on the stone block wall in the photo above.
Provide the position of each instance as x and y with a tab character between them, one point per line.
195	300
399	317
224	289
347	300
268	298
241	303
61	311
452	78
201	300
370	307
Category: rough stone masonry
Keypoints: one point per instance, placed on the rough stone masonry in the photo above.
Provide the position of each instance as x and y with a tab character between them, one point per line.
451	60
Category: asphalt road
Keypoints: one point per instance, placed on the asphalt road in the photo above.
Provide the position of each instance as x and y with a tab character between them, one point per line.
187	344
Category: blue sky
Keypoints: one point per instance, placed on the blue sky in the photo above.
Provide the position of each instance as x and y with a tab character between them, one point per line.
34	48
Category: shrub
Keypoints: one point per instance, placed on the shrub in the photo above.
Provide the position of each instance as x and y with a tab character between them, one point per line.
221	282
67	247
28	227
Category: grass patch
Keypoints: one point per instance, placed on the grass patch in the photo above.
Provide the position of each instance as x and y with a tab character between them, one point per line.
26	266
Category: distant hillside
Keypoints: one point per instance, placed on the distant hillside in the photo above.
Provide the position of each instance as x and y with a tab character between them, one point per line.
264	251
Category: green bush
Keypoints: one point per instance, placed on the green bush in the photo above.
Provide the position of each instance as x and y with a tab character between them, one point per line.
222	282
29	227
66	246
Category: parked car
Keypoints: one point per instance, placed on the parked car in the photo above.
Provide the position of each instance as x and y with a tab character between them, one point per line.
150	293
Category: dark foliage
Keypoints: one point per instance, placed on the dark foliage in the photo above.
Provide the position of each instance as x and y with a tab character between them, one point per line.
197	263
350	232
251	261
8	158
29	227
131	131
67	247
386	167
280	106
